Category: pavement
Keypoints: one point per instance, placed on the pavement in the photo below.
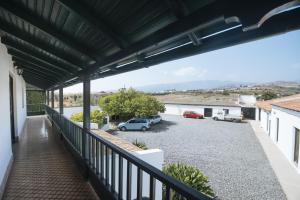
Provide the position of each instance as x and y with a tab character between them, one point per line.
287	175
228	153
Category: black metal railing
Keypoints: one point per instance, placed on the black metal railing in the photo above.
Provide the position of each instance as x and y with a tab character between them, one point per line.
117	170
35	109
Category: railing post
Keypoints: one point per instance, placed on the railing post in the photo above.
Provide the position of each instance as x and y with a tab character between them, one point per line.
61	107
86	115
52	98
47	98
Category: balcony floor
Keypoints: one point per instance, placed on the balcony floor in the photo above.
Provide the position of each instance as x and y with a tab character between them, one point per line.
43	168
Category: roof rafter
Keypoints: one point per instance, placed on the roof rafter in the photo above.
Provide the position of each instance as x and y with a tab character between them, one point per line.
28	51
26	56
36	65
95	21
12	31
25	66
45	77
44	26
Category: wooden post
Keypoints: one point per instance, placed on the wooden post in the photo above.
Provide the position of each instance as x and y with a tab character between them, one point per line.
52	98
61	100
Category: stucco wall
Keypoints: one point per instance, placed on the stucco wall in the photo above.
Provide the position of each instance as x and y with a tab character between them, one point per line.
178	109
6	69
288	121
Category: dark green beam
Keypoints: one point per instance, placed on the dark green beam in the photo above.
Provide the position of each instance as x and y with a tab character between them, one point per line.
33	80
15	32
28	51
86	14
20	54
37	70
38	66
37	22
37	74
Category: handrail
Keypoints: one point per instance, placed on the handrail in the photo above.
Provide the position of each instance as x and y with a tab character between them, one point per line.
93	143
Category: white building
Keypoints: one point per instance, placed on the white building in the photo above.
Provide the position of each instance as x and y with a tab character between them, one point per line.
206	110
280	118
11	85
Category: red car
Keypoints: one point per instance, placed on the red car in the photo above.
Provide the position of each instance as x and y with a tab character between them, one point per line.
192	114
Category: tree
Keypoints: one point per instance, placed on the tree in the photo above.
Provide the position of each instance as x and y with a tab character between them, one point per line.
267	95
126	104
96	117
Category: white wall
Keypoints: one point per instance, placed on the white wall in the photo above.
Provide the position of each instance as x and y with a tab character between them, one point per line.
6	69
264	120
288	121
178	109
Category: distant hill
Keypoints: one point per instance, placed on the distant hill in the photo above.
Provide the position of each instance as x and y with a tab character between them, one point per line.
192	85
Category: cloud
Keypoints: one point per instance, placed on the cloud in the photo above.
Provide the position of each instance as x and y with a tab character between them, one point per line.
190	72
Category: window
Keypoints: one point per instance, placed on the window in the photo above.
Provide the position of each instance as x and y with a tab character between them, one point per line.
226	111
132	121
296	148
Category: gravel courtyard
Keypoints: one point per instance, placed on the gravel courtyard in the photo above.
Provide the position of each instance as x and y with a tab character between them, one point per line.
228	153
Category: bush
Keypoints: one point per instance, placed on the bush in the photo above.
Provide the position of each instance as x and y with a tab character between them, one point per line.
96	117
140	145
189	175
267	95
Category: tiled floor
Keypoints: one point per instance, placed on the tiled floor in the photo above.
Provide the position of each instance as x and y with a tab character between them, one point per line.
43	168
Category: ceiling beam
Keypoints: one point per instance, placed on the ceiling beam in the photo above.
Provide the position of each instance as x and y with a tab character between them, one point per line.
38	66
44	26
41	56
18	53
37	70
15	32
94	20
45	77
34	80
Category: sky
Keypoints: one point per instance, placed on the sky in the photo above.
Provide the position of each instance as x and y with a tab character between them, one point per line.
275	58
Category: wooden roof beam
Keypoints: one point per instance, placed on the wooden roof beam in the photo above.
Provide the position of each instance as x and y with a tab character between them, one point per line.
95	21
25	49
44	26
15	32
24	55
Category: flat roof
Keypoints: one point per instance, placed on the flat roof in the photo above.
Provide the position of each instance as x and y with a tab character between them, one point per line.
291	104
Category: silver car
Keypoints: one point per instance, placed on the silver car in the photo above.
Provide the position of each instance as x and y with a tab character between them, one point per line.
135	124
154	119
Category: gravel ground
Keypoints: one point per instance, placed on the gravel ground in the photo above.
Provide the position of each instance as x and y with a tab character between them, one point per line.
228	153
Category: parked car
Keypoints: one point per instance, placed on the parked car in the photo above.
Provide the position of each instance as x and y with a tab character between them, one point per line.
154	119
221	115
135	124
192	114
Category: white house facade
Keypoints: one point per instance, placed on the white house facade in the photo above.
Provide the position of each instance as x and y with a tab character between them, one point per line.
282	124
10	82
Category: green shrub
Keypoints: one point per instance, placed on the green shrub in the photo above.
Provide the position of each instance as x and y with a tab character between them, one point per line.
189	175
140	145
96	117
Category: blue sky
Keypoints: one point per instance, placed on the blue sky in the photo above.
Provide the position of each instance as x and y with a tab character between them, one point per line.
273	59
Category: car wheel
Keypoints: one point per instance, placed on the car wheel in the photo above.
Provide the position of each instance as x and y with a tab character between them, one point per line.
216	119
144	128
123	128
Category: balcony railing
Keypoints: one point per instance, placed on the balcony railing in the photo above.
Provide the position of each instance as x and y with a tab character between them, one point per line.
111	168
35	109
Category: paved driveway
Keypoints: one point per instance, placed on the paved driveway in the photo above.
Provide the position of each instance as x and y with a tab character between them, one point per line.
228	153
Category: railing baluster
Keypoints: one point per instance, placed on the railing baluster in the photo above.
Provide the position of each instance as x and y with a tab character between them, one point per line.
89	149
120	196
168	192
102	161
139	184
93	153
129	176
113	170
97	157
152	188
106	165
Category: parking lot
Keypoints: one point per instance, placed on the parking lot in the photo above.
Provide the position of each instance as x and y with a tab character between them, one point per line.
228	153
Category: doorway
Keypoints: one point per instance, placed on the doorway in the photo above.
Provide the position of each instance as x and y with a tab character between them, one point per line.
296	148
12	117
207	112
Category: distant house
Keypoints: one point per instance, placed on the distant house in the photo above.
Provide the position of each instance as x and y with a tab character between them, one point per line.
237	105
280	118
